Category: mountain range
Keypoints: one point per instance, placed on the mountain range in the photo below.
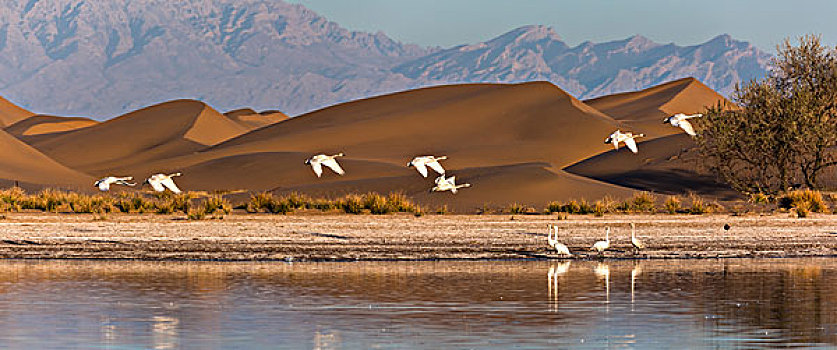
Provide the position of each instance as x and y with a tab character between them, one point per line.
103	58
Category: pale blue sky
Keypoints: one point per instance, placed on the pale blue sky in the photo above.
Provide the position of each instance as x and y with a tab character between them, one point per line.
451	22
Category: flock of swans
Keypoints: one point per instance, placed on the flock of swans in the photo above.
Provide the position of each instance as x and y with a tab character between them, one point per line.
678	120
600	246
163	182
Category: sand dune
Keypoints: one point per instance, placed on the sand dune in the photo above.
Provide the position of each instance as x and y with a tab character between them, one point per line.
475	125
21	162
45	124
483	128
251	119
645	110
667	165
11	113
529	143
157	132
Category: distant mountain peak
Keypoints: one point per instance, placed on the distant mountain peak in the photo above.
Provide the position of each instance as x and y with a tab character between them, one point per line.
530	33
106	57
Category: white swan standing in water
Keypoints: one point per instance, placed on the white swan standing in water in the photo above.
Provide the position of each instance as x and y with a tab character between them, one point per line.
680	120
627	137
104	183
552	282
421	163
552	241
447	184
601	246
638	245
319	160
160	182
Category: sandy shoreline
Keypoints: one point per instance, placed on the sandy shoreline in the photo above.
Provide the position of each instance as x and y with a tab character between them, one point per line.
405	237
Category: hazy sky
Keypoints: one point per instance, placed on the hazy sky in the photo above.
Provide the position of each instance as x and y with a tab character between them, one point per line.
445	23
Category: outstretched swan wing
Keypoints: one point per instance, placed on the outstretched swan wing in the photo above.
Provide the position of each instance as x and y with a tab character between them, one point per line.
318	168
421	168
169	183
436	167
687	127
631	143
332	163
156	185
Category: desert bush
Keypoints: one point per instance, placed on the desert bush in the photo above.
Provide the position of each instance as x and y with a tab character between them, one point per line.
516	208
261	201
553	207
352	204
12	198
807	200
443	210
642	202
297	200
672	205
91	204
132	203
376	203
699	206
401	203
758	198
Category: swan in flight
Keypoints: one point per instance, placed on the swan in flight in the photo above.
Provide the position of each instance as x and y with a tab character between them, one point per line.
638	245
319	160
104	183
421	163
601	246
627	137
680	120
552	241
447	184
160	182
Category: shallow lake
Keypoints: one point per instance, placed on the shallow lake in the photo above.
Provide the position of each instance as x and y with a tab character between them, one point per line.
735	303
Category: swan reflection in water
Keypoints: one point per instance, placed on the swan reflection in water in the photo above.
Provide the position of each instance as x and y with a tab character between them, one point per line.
634	275
552	282
164	332
602	270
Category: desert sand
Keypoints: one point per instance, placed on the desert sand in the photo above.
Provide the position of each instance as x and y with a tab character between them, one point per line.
528	143
27	129
405	237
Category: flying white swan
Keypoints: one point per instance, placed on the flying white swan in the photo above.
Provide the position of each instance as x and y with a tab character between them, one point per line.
627	137
421	163
680	120
560	248
601	246
160	182
319	160
447	184
104	183
638	245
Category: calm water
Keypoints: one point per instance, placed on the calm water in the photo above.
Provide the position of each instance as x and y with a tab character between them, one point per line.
624	304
